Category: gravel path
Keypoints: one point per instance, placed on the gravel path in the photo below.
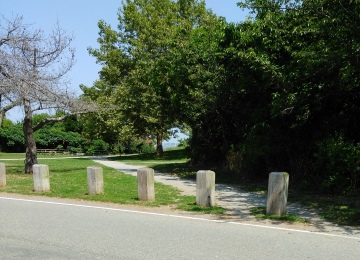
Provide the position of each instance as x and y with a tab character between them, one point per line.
238	202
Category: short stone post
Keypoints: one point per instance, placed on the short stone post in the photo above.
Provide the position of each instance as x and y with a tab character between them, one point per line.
41	177
277	193
2	175
146	189
205	188
95	180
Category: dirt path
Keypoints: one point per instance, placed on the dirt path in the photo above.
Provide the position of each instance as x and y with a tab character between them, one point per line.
238	203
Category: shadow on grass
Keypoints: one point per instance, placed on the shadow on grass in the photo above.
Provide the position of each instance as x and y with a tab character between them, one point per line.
343	210
182	170
172	155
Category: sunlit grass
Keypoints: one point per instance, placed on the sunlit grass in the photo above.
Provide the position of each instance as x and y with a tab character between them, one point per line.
260	212
68	179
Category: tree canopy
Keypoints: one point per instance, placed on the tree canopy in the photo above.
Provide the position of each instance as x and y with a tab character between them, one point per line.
141	61
289	96
277	92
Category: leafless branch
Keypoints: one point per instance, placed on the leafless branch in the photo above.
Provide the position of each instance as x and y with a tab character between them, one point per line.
33	66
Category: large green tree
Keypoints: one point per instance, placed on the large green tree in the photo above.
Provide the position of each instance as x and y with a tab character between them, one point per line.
290	83
141	61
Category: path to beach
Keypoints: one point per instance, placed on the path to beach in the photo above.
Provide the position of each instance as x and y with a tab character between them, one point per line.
238	202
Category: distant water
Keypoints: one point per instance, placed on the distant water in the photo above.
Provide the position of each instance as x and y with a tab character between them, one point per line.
168	145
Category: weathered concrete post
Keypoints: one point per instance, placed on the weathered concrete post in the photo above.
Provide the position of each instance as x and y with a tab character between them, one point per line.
146	190
277	193
2	175
205	188
41	177
95	180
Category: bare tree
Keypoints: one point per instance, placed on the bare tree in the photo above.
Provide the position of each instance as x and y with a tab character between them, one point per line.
32	75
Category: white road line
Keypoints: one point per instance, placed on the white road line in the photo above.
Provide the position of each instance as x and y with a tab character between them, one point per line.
178	216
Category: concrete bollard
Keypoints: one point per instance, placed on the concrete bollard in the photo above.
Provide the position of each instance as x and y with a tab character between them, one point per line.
277	193
146	190
95	180
2	175
41	177
205	188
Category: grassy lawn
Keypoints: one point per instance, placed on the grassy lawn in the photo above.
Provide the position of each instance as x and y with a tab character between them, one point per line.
176	156
174	162
11	156
68	179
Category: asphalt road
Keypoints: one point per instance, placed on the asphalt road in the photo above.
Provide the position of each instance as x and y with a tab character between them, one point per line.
57	229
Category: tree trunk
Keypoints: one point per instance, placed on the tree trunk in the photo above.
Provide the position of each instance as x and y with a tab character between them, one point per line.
31	155
159	146
2	112
2	116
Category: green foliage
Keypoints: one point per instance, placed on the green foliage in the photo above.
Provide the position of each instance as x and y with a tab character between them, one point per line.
12	137
143	73
183	142
258	96
38	117
338	165
51	137
72	124
97	145
6	122
145	148
290	78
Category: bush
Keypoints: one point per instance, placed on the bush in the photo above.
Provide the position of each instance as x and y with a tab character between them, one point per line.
12	138
97	144
147	148
183	142
338	165
53	137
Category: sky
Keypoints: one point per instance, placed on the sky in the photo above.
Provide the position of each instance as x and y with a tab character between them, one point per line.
79	18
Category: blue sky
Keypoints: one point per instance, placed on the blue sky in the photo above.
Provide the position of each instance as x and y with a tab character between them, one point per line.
79	18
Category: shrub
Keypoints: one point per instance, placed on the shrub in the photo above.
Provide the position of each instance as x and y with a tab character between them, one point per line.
183	142
338	165
147	148
97	144
12	138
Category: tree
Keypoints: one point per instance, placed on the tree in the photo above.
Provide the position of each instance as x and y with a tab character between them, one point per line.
138	60
314	52
32	75
11	137
289	96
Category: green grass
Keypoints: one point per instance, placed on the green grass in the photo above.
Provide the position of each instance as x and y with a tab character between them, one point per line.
174	162
68	179
12	156
15	156
343	210
149	159
260	212
189	205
